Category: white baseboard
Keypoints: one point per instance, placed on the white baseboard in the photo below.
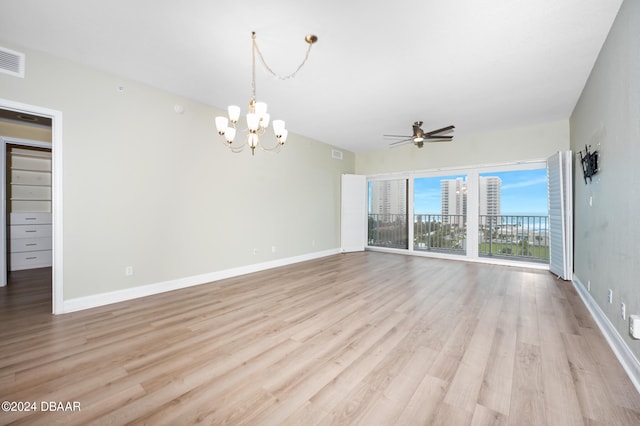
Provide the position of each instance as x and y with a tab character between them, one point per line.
616	342
102	299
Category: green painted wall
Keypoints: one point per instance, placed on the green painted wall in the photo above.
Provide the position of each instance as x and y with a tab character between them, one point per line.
607	232
156	190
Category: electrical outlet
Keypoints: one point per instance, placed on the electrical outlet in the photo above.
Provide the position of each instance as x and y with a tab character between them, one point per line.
610	296
589	285
273	249
128	271
623	311
255	251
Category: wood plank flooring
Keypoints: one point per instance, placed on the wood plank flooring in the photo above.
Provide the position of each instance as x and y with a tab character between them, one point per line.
362	338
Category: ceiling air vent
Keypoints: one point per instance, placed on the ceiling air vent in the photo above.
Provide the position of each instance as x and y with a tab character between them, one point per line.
336	154
11	62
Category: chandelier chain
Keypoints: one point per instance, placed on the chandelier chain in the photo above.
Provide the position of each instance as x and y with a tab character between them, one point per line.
271	71
253	66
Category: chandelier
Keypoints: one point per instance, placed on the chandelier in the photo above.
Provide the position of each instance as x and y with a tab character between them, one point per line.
257	117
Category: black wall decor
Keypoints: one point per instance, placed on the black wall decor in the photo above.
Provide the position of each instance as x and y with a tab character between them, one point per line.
589	162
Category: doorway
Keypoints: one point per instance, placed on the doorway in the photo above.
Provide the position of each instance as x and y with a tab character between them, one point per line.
13	109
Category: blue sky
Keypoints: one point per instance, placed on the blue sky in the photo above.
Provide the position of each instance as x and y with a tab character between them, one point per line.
522	191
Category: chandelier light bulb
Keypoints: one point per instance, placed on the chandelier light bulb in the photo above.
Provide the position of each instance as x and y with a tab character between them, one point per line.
221	124
283	136
264	120
253	121
230	134
234	113
260	108
278	127
253	140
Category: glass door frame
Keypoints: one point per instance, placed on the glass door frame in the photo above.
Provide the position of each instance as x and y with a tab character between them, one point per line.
472	178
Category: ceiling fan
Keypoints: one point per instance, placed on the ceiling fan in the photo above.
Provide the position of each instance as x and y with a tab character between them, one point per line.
419	136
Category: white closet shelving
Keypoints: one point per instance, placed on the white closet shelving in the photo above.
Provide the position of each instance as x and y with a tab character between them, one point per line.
29	208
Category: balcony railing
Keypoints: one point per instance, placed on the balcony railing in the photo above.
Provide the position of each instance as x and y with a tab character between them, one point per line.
441	233
431	232
518	237
388	230
514	237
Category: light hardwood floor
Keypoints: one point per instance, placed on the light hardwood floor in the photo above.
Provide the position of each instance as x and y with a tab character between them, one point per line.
363	338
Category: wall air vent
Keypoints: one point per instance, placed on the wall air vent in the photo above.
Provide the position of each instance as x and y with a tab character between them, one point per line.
11	62
336	154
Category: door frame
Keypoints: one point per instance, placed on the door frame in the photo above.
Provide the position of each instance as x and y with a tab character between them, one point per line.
57	299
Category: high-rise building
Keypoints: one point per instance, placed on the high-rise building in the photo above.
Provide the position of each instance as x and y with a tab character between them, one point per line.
388	198
490	195
454	197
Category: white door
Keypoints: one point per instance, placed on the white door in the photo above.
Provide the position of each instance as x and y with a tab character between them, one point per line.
353	218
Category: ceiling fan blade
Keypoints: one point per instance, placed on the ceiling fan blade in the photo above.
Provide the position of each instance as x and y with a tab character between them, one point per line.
439	137
396	136
444	129
399	145
402	141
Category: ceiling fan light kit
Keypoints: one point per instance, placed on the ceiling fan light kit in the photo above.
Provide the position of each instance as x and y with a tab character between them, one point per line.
257	117
419	136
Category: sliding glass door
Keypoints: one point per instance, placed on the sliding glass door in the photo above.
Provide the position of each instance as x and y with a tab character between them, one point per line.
514	215
440	214
388	210
497	212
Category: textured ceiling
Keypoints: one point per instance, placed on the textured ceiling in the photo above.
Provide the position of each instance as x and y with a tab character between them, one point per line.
377	67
